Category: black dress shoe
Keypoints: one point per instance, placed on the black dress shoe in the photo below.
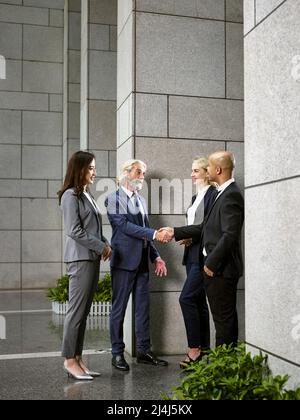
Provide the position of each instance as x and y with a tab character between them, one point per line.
150	359
120	363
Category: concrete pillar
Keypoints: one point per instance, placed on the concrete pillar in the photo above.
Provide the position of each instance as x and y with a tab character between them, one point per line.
98	80
272	91
180	94
98	91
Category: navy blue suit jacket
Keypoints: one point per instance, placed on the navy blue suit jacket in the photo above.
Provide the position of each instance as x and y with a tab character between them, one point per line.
128	233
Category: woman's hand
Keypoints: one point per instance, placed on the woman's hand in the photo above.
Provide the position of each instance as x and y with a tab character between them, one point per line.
208	272
185	242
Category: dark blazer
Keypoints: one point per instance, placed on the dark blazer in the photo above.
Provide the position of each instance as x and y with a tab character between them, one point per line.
193	253
221	233
128	233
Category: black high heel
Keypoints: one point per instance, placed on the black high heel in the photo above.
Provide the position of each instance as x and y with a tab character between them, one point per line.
185	363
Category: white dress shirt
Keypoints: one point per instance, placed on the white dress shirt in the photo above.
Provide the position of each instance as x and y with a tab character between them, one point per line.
191	212
223	187
92	201
131	195
128	193
220	190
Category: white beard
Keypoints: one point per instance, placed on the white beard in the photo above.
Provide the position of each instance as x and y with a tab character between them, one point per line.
136	184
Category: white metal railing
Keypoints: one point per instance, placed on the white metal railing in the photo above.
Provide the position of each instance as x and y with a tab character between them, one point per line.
99	323
98	308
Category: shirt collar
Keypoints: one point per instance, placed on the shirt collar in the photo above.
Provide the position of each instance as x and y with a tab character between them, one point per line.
127	192
202	190
226	184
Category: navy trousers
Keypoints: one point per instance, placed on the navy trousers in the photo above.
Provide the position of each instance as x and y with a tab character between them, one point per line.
194	308
123	283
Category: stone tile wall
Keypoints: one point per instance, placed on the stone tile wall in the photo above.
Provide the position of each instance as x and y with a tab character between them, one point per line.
272	179
180	94
31	40
99	91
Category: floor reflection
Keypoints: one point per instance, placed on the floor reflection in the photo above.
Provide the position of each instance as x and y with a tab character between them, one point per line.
76	390
31	366
37	329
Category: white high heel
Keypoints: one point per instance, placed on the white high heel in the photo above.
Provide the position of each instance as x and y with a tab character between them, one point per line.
86	370
83	377
92	373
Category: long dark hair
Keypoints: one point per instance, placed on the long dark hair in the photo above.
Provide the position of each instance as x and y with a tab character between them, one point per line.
76	173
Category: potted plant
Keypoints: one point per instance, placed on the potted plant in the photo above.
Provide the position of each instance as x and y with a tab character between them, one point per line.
102	300
228	373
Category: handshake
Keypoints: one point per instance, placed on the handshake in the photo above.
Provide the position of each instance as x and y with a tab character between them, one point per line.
165	234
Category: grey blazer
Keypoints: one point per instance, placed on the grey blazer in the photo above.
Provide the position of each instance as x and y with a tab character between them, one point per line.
83	228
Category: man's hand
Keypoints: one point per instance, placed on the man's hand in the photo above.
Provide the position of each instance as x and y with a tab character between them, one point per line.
160	267
208	271
106	254
185	242
165	234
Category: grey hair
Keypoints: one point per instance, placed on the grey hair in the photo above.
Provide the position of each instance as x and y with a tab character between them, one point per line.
127	167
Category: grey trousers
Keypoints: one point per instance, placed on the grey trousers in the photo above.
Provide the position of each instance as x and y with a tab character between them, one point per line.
83	281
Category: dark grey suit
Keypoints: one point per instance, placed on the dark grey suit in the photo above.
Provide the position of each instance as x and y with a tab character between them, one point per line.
83	228
84	246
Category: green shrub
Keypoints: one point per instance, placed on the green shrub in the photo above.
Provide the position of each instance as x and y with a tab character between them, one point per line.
60	293
104	290
232	374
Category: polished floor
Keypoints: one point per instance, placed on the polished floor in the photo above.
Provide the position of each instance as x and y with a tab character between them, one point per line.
31	365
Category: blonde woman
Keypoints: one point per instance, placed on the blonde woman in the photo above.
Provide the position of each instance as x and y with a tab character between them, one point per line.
193	297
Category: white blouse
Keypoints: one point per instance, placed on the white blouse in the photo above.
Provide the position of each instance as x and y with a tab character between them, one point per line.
92	201
192	210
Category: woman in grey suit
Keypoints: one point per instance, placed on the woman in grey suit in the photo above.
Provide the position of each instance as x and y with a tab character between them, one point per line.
85	246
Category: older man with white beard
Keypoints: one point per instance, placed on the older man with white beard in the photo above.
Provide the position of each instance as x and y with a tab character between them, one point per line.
132	245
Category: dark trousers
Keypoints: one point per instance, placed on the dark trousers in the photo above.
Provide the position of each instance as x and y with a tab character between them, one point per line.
123	283
194	308
221	293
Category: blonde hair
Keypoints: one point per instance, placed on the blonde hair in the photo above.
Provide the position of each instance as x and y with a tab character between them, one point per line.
127	167
202	162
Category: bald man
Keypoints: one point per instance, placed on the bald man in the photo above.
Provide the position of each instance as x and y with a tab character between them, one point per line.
221	237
